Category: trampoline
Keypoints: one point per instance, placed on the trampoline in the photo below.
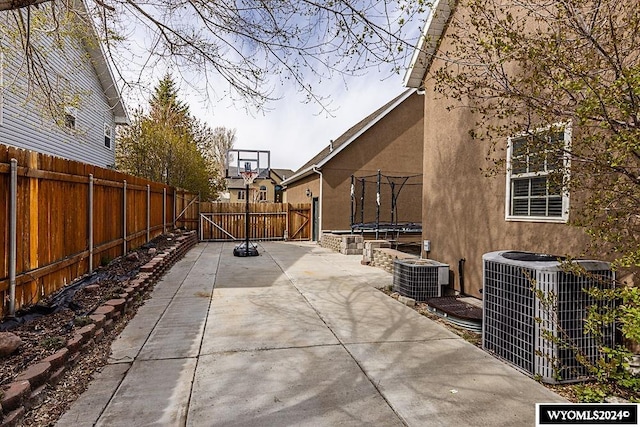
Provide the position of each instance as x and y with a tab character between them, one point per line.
377	206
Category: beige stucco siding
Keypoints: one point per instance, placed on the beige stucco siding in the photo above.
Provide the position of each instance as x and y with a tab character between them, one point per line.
393	145
296	192
463	211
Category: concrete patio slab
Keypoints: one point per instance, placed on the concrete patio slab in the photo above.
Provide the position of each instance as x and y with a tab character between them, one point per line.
179	331
450	383
279	319
86	411
296	336
130	341
154	392
358	314
300	386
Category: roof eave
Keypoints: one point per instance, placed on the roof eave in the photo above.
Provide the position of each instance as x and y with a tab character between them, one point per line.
299	175
364	129
428	43
104	73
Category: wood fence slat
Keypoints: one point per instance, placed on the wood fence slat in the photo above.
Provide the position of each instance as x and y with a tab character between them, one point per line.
268	221
52	222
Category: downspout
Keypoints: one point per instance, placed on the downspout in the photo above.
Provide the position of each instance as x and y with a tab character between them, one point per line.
319	172
461	274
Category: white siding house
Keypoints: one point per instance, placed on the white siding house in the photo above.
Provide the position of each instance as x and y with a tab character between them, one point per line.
80	125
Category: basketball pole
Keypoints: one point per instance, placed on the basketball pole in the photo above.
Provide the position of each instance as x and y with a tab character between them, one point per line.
246	220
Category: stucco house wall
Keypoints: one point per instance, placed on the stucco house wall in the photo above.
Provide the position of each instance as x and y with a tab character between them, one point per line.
297	192
389	140
392	146
463	211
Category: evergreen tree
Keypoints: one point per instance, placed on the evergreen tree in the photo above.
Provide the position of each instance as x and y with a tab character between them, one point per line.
163	145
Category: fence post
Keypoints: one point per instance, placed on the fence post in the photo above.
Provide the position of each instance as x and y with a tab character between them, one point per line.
124	218
148	212
13	223
164	210
90	223
199	224
378	205
175	202
34	244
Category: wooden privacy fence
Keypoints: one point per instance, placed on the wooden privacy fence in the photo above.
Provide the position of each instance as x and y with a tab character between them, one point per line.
59	219
267	221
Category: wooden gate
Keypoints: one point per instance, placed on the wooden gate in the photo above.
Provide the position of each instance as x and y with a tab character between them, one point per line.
267	221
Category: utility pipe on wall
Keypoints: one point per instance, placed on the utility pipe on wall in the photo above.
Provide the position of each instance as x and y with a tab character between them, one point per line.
320	203
353	201
13	223
378	205
461	274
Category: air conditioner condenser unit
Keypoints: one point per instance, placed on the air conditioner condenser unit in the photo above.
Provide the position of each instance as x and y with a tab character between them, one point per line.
534	312
419	278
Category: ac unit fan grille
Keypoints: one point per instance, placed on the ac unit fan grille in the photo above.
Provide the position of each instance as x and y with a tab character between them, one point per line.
416	281
508	314
534	318
572	305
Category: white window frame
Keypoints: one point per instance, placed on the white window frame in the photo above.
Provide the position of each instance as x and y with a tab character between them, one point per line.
108	133
242	194
263	193
511	176
72	112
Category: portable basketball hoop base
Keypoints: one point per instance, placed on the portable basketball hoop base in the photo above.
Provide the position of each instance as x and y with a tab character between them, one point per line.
241	250
247	249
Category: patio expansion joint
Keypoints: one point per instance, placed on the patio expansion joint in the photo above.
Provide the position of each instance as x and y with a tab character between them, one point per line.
343	345
204	330
275	348
391	341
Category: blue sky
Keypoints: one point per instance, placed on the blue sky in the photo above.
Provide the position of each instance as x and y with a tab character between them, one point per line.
295	131
292	129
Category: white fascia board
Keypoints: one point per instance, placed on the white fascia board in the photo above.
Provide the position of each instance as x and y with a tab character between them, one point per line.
103	70
429	39
302	174
308	171
366	128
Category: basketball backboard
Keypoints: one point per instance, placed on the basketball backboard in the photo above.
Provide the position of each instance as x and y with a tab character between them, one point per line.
239	160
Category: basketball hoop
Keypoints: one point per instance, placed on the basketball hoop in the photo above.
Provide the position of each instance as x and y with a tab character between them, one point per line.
248	177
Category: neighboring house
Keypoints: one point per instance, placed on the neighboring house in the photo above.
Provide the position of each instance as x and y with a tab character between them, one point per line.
80	124
464	213
389	140
266	188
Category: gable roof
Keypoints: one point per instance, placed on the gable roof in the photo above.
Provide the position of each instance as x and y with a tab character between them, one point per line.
101	66
238	183
283	173
428	43
343	141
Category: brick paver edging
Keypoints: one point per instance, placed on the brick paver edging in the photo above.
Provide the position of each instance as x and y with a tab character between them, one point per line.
28	389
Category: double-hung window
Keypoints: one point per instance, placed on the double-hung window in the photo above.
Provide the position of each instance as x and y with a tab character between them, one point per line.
70	117
537	167
262	196
241	195
108	135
